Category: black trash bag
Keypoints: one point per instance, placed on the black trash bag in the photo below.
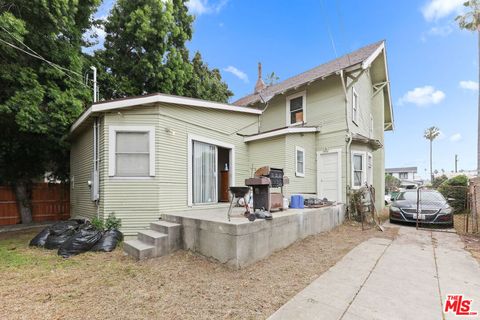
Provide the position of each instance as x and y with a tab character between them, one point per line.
109	241
82	241
60	232
40	239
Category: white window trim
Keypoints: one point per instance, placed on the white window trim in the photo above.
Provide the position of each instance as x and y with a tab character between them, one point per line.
194	137
302	94
364	168
355	106
299	174
112	141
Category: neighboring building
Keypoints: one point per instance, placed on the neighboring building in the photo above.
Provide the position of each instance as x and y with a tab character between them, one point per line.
142	156
405	173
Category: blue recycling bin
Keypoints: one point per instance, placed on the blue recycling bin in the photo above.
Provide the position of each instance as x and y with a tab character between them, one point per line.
296	201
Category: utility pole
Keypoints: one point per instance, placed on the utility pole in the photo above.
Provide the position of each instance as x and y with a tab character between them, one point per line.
94	83
456	162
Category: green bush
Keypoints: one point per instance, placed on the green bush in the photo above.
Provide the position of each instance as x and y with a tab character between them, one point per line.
456	188
98	223
112	222
438	181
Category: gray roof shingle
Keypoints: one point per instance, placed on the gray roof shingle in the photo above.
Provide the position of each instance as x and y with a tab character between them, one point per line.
325	69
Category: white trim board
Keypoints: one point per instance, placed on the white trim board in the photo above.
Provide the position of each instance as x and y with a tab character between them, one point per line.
280	132
112	130
194	137
158	98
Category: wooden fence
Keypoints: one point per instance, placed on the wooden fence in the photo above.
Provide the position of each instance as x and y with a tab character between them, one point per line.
50	202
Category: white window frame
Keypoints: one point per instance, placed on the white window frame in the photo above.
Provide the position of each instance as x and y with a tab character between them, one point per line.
112	147
400	175
194	137
302	94
355	106
297	173
363	154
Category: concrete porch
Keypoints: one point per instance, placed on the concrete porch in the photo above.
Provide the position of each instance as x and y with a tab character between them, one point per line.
240	242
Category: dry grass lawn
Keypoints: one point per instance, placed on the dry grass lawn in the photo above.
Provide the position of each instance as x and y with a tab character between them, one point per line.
38	284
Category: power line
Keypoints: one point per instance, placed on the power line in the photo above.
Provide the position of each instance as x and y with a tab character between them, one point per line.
328	28
50	63
37	56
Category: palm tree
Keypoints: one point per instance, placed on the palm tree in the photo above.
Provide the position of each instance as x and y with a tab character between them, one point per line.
471	21
430	134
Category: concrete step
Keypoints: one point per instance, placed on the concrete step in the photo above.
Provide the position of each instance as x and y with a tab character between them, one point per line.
174	231
139	249
157	239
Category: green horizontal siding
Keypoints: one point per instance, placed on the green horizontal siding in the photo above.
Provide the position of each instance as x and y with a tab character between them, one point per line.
81	168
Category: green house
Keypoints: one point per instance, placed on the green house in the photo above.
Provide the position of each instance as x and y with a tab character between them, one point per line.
142	156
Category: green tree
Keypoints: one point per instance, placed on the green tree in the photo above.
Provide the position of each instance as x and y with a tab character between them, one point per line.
471	21
431	134
145	52
41	88
437	181
271	79
391	183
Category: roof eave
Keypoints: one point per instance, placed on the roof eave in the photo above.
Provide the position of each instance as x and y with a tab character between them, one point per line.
157	98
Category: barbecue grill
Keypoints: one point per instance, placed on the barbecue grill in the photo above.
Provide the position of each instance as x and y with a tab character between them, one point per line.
262	183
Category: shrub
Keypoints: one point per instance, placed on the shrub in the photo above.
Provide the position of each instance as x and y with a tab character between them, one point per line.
438	181
112	222
98	223
456	188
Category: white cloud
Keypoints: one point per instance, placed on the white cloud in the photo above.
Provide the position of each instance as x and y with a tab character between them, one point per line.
423	96
199	7
436	9
469	85
441	31
237	73
437	31
456	137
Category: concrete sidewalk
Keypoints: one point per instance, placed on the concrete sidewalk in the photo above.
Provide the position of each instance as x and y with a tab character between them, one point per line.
407	278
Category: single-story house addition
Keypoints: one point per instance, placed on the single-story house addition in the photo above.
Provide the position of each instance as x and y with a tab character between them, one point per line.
143	156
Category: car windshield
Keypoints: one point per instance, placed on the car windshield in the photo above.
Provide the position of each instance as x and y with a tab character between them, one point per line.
434	196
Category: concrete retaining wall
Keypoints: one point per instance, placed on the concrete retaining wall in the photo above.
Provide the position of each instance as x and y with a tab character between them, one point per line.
241	244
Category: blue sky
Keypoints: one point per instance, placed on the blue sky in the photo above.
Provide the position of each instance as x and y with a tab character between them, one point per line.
432	63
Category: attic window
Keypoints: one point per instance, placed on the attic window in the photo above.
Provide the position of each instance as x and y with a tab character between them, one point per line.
296	108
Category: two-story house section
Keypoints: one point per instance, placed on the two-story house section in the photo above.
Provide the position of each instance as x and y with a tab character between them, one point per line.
326	126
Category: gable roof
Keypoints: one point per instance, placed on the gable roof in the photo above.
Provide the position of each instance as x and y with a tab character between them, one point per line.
361	55
114	104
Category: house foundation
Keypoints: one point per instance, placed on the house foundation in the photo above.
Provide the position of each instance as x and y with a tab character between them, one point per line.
239	242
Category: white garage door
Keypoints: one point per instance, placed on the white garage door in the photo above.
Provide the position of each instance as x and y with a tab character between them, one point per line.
328	175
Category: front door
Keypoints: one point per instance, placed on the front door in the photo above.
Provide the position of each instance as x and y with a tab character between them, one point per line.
205	172
329	175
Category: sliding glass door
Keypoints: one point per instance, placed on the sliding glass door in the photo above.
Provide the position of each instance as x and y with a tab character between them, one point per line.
204	173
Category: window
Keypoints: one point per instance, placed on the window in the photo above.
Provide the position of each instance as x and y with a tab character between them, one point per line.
403	175
355	106
357	170
299	162
296	108
131	152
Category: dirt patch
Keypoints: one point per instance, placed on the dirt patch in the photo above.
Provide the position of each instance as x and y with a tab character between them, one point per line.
38	284
472	244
